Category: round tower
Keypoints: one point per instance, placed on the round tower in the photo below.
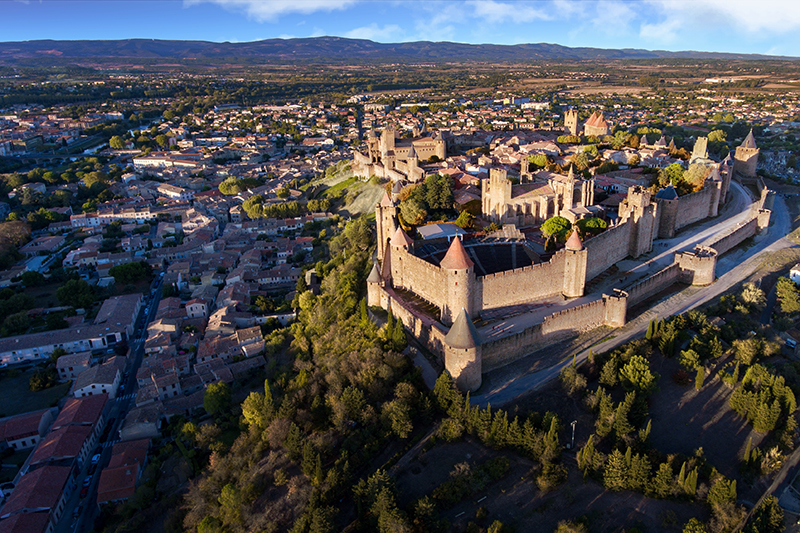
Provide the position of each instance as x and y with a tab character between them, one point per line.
462	353
459	278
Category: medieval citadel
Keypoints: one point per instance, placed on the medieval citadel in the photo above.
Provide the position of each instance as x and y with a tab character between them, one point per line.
440	287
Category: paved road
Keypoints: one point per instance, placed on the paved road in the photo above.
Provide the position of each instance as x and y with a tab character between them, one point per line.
730	272
117	410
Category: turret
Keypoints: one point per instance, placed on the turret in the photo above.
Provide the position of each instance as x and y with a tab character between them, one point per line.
462	353
385	215
374	286
459	276
575	261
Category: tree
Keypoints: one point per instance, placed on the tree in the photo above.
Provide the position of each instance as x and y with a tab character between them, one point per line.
558	227
590	227
162	140
753	296
788	295
636	375
116	143
76	293
616	472
465	220
217	398
694	526
16	324
768	518
32	278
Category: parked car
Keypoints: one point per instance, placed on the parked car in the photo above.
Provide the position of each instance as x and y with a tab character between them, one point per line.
96	458
84	492
87	481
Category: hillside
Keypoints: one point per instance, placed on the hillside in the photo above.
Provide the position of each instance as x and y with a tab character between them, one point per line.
330	50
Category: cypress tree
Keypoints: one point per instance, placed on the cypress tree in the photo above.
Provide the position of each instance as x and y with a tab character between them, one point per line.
628	457
622	425
690	485
651	329
682	474
363	311
399	341
390	325
269	404
644	434
746	457
585	456
698	380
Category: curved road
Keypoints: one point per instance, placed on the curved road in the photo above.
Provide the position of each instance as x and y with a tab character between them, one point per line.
732	268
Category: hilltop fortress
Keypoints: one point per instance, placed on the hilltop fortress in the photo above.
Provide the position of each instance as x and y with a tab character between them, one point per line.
439	288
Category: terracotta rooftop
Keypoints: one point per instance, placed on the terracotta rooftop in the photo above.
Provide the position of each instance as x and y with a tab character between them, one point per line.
61	443
386	201
574	241
25	523
81	411
25	425
39	489
456	257
400	238
117	483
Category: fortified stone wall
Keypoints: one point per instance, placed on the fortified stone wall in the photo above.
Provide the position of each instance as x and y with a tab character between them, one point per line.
554	328
521	285
695	206
423	279
608	248
430	333
643	289
731	239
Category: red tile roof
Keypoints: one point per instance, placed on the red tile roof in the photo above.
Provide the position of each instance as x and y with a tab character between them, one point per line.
25	523
456	257
117	483
40	489
81	411
25	425
60	443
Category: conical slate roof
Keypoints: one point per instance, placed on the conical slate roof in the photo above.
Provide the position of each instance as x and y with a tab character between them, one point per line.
574	241
571	175
397	187
749	141
456	257
374	275
400	238
667	193
412	152
463	334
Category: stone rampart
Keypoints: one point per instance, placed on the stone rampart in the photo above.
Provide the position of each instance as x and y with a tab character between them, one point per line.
424	279
643	289
428	332
735	236
608	248
556	327
694	207
521	285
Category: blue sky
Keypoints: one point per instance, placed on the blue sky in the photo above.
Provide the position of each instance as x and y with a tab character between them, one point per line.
752	26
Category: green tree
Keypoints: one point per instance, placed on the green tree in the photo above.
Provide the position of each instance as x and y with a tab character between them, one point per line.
636	375
694	526
465	220
616	472
768	518
116	143
76	293
558	227
788	295
217	398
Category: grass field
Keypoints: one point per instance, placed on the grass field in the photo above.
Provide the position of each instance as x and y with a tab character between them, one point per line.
16	398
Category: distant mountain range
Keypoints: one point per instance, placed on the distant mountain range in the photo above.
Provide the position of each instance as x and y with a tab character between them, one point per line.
331	50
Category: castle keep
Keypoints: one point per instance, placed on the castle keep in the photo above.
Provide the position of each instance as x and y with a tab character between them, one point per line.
397	159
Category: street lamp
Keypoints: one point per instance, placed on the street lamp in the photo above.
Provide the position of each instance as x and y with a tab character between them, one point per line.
572	445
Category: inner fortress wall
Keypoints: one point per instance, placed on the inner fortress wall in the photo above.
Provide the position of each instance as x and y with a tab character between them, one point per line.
423	279
430	333
521	285
608	248
694	207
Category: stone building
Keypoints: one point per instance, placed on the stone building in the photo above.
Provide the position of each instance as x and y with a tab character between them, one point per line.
596	125
746	157
398	159
571	126
539	197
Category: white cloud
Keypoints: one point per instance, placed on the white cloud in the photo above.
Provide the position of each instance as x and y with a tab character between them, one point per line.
373	32
662	33
271	10
752	17
494	12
